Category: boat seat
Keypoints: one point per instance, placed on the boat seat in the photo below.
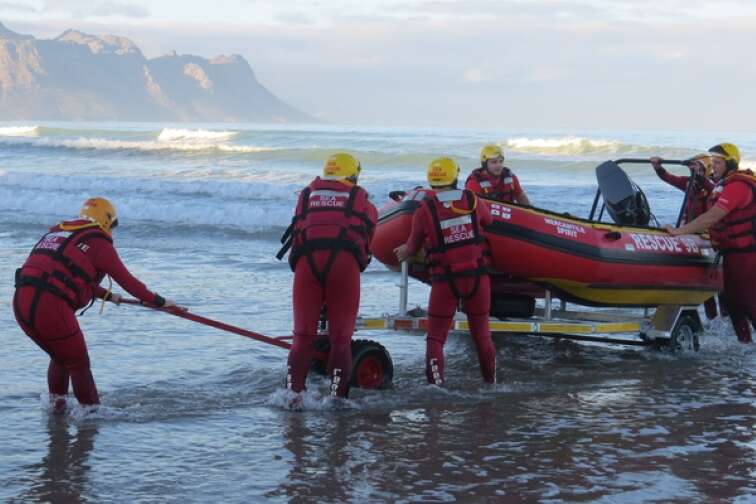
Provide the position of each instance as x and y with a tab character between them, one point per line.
624	200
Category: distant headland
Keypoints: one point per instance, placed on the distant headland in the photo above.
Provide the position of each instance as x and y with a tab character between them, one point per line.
77	76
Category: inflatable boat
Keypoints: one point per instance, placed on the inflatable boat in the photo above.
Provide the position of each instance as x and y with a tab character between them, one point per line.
622	263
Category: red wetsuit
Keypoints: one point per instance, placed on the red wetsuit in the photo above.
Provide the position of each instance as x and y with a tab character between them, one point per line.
697	199
505	187
698	203
450	226
330	245
61	275
735	238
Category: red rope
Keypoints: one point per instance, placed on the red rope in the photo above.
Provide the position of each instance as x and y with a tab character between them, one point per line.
214	323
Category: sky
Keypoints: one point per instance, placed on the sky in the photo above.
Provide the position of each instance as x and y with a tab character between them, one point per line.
515	64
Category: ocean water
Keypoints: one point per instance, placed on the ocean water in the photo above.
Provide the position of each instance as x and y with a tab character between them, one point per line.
193	414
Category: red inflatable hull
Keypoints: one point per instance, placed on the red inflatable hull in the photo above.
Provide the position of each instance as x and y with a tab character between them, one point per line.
585	262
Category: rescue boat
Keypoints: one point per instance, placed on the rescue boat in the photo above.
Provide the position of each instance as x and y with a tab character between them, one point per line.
583	261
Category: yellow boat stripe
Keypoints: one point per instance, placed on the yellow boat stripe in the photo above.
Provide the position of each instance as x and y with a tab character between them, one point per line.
619	297
540	327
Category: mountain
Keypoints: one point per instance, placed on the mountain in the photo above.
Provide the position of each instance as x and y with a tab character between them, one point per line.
78	76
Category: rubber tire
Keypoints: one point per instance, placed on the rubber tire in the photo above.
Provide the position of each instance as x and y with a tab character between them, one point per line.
372	367
684	336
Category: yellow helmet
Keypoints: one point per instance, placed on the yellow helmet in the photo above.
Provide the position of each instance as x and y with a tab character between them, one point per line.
442	172
727	151
705	159
490	151
101	211
341	166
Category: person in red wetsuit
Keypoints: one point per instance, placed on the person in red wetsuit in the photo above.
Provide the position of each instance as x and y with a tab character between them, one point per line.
494	180
330	239
697	202
61	275
450	225
731	222
700	167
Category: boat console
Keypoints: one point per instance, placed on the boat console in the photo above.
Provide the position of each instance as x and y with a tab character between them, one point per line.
623	199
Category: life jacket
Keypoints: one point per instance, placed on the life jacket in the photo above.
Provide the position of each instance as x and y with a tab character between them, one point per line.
736	232
332	216
500	189
698	199
456	245
697	203
58	263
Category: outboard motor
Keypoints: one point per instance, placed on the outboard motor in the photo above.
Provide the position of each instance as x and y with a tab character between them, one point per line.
624	200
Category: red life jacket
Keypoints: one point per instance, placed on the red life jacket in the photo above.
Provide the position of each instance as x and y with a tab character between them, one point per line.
697	203
58	263
697	200
332	216
737	231
500	189
455	247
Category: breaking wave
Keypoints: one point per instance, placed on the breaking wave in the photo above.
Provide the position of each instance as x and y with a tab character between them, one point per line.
104	144
581	146
385	148
19	131
253	203
200	135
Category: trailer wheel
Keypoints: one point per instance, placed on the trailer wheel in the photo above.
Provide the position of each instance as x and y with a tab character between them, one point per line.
372	367
684	337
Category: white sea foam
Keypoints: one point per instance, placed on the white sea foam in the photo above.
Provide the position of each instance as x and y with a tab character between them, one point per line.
310	400
254	203
87	143
569	146
200	135
19	131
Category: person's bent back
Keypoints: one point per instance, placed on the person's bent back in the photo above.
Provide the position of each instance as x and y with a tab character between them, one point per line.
61	275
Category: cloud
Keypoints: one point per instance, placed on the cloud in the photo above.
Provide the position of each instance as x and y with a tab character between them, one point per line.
646	10
529	71
475	75
107	9
294	18
17	8
482	74
87	8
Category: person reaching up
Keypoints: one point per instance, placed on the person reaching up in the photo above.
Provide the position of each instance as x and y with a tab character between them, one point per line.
731	222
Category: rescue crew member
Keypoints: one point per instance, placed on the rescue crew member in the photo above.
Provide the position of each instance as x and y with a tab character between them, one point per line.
731	221
61	275
697	202
494	180
330	239
450	225
700	167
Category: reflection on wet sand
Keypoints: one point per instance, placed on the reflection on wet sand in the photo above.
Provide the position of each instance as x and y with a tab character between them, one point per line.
62	474
629	430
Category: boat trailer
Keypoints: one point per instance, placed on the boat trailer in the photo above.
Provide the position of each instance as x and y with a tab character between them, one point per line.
675	327
372	367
